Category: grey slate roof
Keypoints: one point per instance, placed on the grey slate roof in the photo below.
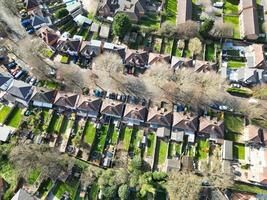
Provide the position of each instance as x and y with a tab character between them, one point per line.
5	82
20	89
45	96
23	195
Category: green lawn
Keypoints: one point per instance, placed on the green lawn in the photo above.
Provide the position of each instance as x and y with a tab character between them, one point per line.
239	151
150	144
248	188
174	149
9	174
3	113
150	20
64	59
55	123
127	135
70	187
231	7
235	64
136	139
114	135
101	139
202	149
168	46
33	175
14	118
44	188
93	194
171	11
161	152
89	133
210	52
234	20
233	123
191	151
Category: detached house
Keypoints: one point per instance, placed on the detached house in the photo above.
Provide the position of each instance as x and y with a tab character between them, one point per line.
211	129
184	124
256	154
112	108
195	65
19	92
134	114
44	99
66	101
138	59
49	36
39	21
88	106
184	10
248	19
133	8
31	5
70	46
160	119
154	58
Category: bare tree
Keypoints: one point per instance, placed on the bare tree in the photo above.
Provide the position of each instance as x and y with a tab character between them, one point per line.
222	30
29	157
167	29
183	185
11	5
187	30
135	86
108	62
195	46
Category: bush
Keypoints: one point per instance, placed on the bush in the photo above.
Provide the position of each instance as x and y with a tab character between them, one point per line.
61	13
206	27
159	176
121	25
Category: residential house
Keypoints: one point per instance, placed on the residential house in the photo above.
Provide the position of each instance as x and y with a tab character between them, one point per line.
3	186
104	31
5	82
94	28
39	21
88	106
19	92
163	132
134	114
159	117
23	195
184	10
134	58
44	99
212	129
112	108
195	65
135	9
5	134
113	48
49	36
256	154
75	9
82	20
248	19
184	124
90	49
227	150
255	56
154	58
31	5
66	101
70	46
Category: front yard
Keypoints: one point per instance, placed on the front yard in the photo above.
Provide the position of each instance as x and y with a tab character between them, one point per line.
239	151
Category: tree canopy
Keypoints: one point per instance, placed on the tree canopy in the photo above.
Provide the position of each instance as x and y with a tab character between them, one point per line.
121	25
